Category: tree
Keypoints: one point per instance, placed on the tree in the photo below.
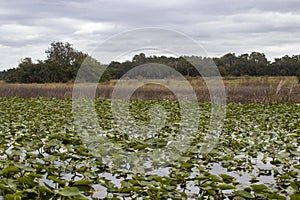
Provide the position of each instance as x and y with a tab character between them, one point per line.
228	61
61	65
26	62
139	59
286	66
93	71
254	64
63	54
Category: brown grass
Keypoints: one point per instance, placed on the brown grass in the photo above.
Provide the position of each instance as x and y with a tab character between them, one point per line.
238	89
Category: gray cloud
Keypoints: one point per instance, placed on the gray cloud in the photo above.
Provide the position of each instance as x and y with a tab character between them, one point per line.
28	27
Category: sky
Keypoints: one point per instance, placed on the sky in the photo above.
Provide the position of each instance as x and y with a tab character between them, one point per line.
28	27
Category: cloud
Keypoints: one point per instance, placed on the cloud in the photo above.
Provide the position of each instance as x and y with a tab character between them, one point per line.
28	27
92	28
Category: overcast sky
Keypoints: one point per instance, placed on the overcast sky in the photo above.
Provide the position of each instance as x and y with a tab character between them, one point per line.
27	27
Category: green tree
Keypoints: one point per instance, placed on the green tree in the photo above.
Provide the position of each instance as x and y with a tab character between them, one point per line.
63	54
61	65
22	73
285	66
93	71
228	61
254	64
139	59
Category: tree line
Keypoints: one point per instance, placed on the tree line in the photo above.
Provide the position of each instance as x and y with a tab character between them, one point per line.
254	64
61	65
63	62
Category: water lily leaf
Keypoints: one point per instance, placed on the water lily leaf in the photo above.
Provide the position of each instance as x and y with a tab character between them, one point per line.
10	170
260	188
169	188
13	197
57	180
227	178
211	192
71	191
285	176
45	189
238	198
31	191
125	190
214	178
145	183
134	182
276	196
295	197
226	187
187	165
35	175
295	186
244	194
82	182
27	180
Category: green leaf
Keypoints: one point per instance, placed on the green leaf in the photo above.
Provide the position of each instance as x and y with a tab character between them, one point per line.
187	165
226	187
30	191
13	197
260	188
134	182
125	190
227	178
10	170
244	194
70	191
82	182
276	196
295	197
214	178
169	188
45	189
238	198
57	180
295	186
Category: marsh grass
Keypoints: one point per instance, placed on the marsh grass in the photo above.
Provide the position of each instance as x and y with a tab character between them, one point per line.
238	89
